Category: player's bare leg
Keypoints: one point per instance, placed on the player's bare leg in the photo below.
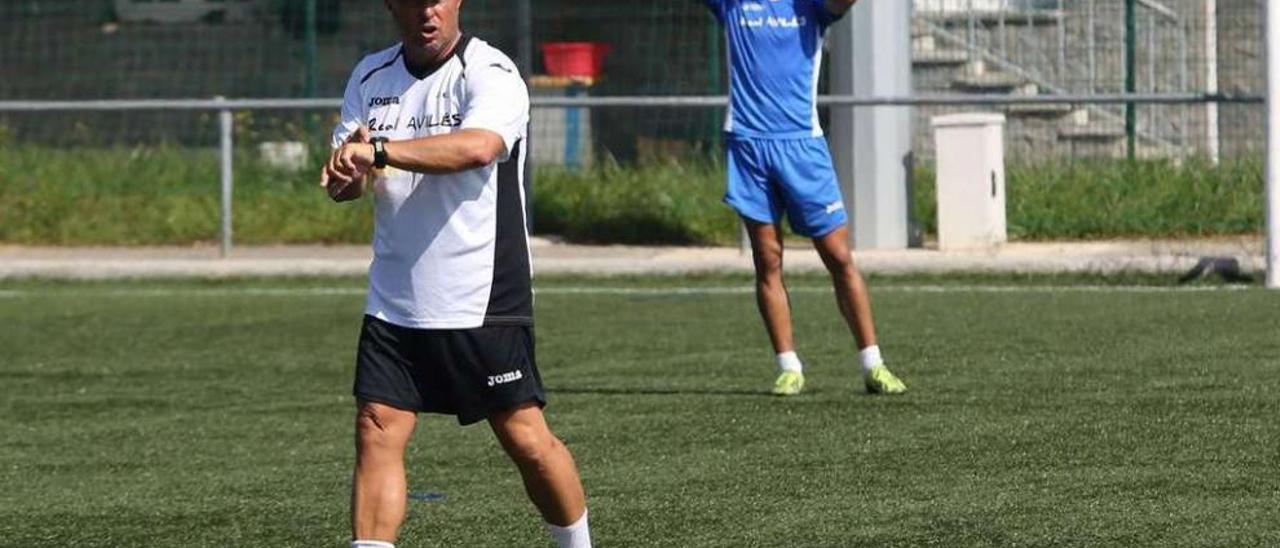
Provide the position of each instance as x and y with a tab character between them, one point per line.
851	291
855	306
378	487
775	304
771	292
550	475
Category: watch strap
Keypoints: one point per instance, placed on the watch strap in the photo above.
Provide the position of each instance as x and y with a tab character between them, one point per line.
379	152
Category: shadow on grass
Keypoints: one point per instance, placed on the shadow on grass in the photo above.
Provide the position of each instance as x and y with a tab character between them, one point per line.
608	391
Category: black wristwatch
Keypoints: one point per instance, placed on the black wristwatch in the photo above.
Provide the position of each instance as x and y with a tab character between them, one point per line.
379	152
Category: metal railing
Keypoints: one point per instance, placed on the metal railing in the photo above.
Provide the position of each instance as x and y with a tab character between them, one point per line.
1028	39
225	108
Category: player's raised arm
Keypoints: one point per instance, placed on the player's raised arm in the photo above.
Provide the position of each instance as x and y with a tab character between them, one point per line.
839	7
716	7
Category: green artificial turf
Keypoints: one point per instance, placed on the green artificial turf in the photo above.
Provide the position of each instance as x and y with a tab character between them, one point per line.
219	414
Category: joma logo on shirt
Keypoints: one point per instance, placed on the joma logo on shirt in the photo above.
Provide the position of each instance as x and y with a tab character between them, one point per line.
510	376
383	101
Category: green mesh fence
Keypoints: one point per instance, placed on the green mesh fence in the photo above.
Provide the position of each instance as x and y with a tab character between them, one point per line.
149	49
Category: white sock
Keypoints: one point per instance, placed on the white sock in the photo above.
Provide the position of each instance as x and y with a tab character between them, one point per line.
789	361
577	535
870	357
371	544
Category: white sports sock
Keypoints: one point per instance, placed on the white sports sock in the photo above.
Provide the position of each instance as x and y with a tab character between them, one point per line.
576	535
371	544
870	357
789	361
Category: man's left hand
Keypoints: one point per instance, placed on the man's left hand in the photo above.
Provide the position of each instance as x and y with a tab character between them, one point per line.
344	174
354	159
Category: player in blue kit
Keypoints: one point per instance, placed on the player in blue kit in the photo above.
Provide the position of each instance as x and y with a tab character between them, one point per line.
779	163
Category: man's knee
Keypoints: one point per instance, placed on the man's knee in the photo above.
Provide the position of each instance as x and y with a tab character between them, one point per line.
529	445
836	255
380	426
840	265
768	262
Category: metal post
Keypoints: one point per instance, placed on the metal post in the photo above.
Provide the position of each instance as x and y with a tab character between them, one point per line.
1211	80
1092	39
524	37
225	127
714	85
1152	31
1004	32
310	45
971	30
1031	26
573	128
524	58
1273	146
1184	79
1131	74
1062	48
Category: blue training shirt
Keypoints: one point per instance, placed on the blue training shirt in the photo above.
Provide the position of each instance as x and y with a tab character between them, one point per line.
775	55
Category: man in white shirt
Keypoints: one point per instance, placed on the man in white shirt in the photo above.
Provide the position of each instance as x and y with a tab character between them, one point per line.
435	128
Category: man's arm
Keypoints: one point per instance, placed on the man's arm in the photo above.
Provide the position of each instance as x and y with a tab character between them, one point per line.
716	7
459	151
839	7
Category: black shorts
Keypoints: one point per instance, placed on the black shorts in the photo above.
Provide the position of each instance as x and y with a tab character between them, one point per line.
470	373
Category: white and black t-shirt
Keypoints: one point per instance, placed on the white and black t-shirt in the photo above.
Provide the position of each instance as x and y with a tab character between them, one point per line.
450	251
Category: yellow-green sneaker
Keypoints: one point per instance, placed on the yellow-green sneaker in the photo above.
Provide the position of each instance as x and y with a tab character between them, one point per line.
881	381
789	383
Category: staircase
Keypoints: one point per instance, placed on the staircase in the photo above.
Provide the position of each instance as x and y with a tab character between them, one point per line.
1032	47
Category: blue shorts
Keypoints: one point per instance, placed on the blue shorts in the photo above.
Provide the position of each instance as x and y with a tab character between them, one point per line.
769	176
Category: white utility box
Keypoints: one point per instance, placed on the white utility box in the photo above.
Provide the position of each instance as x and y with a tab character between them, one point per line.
971	199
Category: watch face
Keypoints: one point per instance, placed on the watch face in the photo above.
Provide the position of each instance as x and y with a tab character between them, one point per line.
380	153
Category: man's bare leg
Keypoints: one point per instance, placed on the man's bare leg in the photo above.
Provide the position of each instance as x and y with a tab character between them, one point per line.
771	292
550	475
378	487
855	306
851	291
775	305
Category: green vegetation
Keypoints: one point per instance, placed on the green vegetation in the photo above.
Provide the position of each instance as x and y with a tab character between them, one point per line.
169	195
670	204
228	422
1116	198
150	196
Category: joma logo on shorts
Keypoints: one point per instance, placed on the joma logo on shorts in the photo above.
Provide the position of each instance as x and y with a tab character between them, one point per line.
510	376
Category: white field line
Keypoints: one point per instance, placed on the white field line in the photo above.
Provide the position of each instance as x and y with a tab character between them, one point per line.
623	291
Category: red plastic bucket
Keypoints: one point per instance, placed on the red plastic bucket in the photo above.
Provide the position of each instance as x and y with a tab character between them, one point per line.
575	59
